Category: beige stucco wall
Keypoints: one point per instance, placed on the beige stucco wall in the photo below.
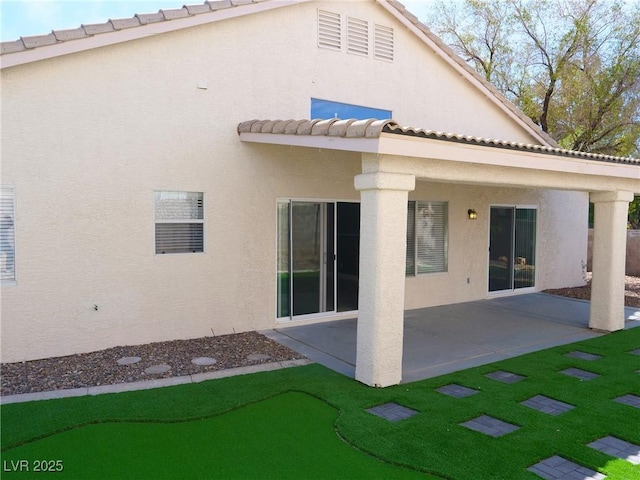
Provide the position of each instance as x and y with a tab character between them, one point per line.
632	264
87	138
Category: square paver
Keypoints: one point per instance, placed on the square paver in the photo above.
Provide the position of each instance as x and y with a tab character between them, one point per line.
558	468
547	405
629	399
617	448
581	374
589	357
490	426
457	391
635	352
505	377
392	412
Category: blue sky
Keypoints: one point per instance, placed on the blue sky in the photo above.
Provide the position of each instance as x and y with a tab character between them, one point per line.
39	17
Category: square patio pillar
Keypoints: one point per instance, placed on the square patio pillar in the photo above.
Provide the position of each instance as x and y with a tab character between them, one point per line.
383	243
609	254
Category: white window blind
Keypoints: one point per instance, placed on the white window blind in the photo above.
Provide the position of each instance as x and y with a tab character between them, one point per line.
383	43
329	30
357	36
426	237
179	221
7	234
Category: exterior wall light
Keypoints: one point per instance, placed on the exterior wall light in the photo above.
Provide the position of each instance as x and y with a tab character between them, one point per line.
472	214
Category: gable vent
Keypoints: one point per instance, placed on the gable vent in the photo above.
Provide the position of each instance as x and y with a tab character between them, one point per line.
329	30
383	43
357	36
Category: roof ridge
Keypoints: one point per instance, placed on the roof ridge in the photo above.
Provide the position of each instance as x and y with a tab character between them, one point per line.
114	25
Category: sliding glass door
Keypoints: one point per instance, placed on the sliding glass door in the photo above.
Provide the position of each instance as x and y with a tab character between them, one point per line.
512	248
317	258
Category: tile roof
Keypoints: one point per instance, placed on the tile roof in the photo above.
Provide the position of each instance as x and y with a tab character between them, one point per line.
113	25
373	128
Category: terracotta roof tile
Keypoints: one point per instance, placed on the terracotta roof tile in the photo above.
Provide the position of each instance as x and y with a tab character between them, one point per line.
146	18
236	3
197	9
173	13
96	28
71	34
38	40
122	23
218	4
373	128
12	47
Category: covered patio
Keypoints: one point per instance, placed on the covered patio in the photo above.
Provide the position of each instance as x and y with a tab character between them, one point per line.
393	159
445	339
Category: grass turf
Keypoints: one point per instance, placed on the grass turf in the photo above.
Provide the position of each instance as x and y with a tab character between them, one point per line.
283	431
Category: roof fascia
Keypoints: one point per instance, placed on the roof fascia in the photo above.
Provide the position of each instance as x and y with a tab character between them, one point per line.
111	38
464	73
360	145
392	144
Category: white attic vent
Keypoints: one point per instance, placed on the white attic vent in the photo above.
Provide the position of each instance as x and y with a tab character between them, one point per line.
329	30
383	43
357	36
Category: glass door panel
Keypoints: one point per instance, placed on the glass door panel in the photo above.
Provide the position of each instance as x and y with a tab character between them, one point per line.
501	248
307	250
524	269
283	261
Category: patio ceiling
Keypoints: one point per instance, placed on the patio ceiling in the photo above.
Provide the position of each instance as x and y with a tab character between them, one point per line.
437	156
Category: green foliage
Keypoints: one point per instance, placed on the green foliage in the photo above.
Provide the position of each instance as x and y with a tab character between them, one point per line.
252	426
573	66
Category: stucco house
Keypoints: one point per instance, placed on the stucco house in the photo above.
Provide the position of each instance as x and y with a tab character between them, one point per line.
141	200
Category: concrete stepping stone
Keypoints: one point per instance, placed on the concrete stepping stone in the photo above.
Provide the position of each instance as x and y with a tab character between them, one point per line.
258	357
547	405
204	361
457	391
589	357
581	374
392	412
617	448
631	400
128	360
490	426
157	369
558	468
635	352
505	377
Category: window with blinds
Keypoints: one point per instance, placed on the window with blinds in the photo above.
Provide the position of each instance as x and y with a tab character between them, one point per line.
426	237
7	234
179	221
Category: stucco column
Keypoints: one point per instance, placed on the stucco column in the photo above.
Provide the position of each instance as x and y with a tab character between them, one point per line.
383	243
609	252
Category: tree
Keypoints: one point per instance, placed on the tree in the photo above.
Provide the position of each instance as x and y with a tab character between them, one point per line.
573	66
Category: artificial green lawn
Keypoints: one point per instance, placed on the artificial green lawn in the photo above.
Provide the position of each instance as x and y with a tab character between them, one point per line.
281	424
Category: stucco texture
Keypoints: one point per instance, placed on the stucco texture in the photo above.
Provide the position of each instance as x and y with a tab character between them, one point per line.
88	137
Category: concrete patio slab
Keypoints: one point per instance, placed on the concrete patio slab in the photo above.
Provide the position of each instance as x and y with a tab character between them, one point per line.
448	338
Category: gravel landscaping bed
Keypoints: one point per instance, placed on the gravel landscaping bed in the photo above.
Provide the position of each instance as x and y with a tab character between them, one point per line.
102	367
631	294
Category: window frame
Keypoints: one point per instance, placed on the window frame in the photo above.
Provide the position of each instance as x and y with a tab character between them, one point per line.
193	221
411	269
12	190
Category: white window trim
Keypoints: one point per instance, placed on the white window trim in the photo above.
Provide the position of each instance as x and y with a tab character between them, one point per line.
415	272
204	229
12	281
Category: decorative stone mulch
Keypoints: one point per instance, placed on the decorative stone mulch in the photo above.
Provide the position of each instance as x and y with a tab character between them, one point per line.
579	374
558	468
131	363
392	412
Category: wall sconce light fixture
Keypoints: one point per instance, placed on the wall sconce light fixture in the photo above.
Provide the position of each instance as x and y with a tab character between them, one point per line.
472	214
